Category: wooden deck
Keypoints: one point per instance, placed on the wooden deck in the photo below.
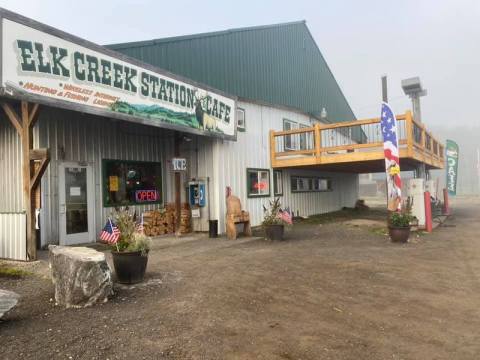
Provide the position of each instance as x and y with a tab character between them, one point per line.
332	148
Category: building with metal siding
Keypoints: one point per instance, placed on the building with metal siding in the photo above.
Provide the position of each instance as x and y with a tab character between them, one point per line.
252	149
80	139
278	64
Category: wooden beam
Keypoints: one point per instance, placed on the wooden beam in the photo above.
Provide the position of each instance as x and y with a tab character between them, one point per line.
33	115
294	131
39	173
272	148
13	117
38	154
318	140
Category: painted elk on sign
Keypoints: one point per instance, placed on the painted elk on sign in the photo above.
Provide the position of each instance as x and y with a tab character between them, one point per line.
205	121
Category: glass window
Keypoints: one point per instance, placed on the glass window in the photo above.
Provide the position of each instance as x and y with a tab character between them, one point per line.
277	183
289	140
300	141
241	119
310	184
258	182
131	182
303	138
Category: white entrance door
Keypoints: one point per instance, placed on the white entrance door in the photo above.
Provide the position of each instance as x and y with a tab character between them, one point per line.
77	203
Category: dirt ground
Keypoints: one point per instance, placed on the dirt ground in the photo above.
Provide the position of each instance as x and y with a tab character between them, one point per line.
331	291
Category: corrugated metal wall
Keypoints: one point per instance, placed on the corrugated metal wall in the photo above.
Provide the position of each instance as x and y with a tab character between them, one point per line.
79	137
13	243
10	167
252	150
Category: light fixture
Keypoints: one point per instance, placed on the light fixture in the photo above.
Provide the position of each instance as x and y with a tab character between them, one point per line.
412	87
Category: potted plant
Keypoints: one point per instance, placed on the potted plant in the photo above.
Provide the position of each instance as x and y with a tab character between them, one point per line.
400	223
274	220
130	250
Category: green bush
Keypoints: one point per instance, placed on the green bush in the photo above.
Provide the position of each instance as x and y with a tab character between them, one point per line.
399	219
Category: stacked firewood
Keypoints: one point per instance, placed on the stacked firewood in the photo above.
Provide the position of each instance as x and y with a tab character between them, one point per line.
162	221
185	223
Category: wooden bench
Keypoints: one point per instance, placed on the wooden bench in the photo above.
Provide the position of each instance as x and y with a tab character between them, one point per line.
235	215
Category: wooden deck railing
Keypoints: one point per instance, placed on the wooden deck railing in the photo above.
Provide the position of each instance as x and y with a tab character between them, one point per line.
359	140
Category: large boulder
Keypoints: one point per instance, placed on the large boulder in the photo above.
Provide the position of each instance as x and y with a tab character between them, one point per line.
81	276
8	300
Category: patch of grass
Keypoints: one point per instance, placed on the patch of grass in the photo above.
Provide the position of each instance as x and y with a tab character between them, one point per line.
10	272
345	214
379	231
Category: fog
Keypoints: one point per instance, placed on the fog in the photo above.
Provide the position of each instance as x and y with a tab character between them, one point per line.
468	171
361	41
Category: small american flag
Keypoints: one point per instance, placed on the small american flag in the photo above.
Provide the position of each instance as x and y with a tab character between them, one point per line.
110	233
139	225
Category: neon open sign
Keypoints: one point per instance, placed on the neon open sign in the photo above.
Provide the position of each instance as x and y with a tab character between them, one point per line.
146	195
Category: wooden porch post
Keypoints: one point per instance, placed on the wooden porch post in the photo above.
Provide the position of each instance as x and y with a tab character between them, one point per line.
34	164
318	142
410	133
177	141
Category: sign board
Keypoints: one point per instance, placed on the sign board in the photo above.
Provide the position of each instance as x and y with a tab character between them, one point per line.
195	213
64	70
146	196
179	164
451	150
113	183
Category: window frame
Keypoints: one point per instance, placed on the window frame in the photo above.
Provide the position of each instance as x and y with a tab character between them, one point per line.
290	138
105	182
258	170
307	180
297	141
244	127
275	182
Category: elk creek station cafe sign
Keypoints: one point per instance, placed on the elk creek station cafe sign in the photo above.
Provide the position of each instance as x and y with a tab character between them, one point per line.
40	63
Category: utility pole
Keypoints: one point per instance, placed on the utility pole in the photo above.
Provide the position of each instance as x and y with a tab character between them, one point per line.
384	89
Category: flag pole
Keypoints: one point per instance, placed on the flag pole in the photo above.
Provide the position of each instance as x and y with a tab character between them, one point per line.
385	99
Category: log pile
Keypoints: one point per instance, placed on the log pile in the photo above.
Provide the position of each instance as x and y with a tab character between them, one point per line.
185	223
162	221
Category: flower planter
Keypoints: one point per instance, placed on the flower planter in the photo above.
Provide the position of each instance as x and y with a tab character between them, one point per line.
399	234
274	232
129	266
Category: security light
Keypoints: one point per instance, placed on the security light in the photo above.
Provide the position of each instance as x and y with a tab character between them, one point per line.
413	87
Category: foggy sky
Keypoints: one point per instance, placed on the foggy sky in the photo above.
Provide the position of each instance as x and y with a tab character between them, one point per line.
361	40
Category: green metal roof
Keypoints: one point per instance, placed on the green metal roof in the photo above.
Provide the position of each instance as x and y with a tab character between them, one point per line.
278	64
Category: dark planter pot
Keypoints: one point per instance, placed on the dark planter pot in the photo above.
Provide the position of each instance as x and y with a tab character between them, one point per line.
274	232
399	234
129	266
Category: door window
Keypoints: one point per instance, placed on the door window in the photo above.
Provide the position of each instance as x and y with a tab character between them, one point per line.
76	208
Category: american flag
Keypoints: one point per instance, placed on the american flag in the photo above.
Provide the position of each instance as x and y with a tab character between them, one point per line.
390	149
110	233
286	216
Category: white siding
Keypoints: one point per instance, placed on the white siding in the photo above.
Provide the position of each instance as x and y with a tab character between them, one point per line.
13	240
10	167
77	137
252	150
